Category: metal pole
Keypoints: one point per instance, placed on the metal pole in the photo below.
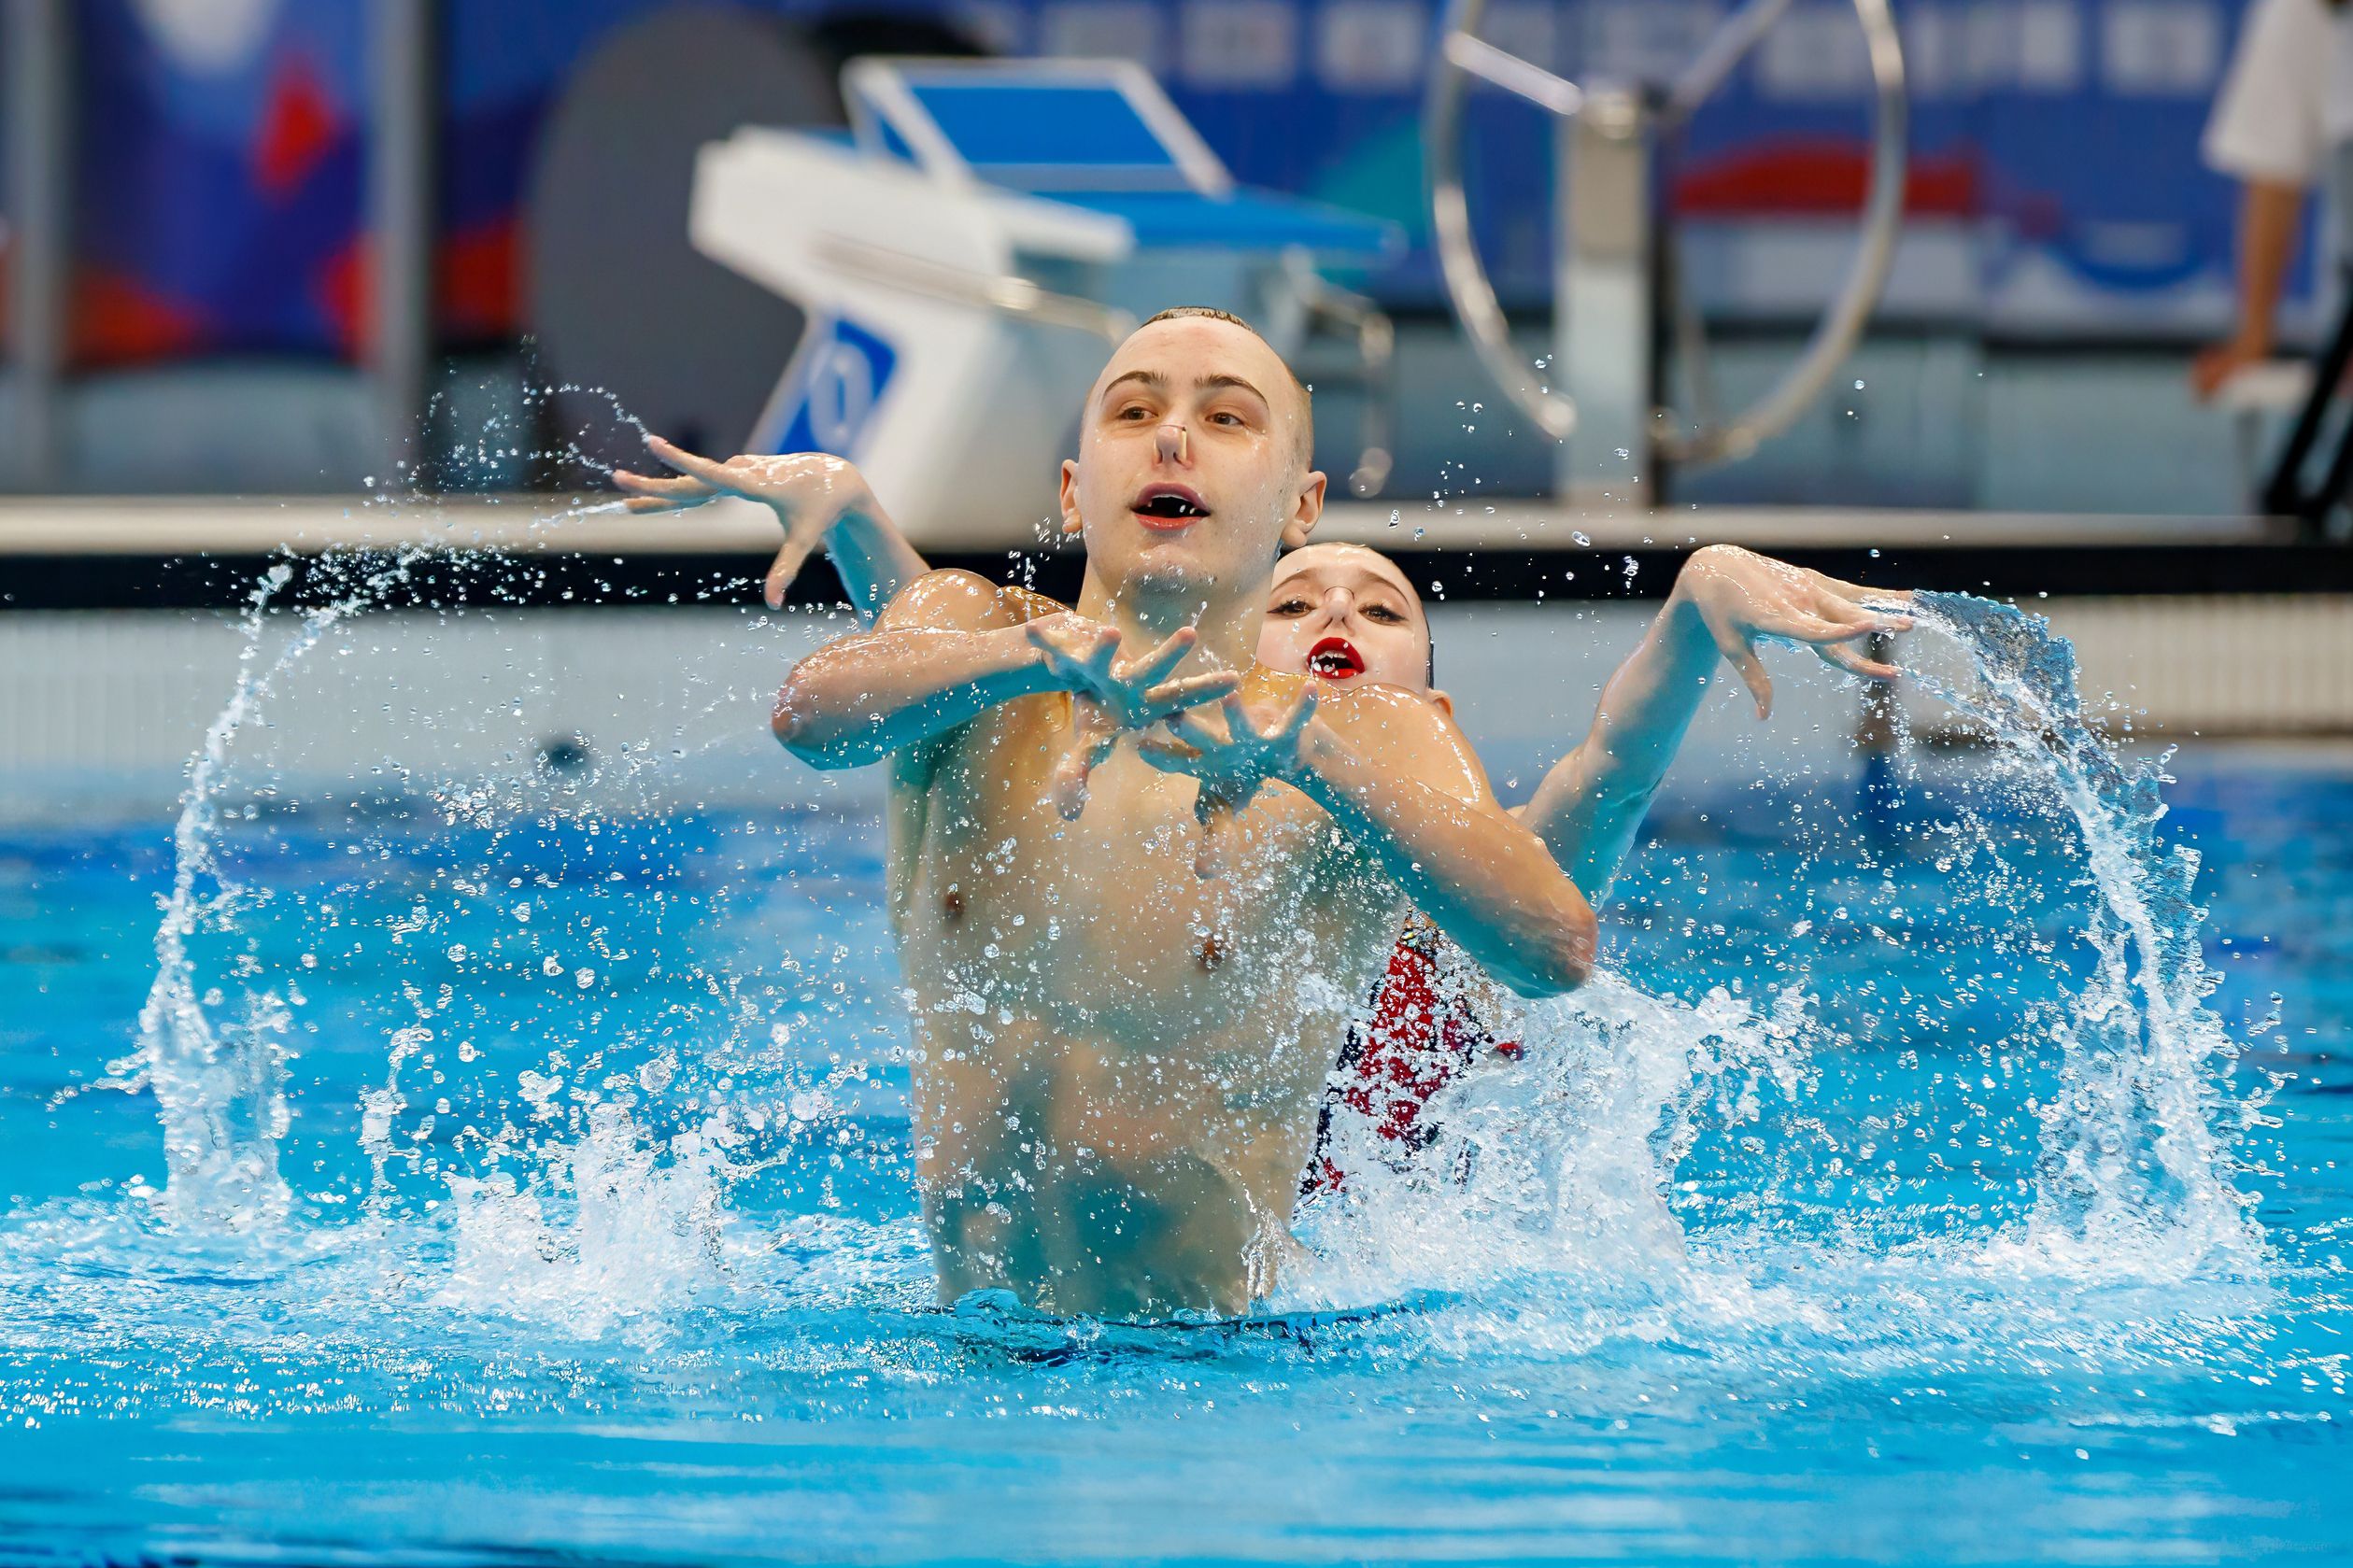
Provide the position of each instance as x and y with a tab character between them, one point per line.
401	222
39	45
1602	320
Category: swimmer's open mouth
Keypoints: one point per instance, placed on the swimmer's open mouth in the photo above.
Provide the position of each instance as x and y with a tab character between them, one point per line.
1169	506
1335	660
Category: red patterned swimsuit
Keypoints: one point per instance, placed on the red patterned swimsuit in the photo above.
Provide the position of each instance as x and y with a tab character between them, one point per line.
1424	1029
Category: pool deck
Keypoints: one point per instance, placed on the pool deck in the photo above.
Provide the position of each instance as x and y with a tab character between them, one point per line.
89	553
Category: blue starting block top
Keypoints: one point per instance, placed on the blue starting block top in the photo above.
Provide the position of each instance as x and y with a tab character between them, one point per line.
1098	134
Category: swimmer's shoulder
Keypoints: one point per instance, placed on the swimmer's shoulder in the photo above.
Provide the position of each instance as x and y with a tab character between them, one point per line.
957	600
1408	731
950	599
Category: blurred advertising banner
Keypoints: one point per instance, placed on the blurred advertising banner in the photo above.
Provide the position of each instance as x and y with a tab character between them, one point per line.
2055	185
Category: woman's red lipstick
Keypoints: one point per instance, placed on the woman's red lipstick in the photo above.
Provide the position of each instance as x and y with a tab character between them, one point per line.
1335	658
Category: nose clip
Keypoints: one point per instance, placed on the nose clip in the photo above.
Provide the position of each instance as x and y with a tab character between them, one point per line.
1183	441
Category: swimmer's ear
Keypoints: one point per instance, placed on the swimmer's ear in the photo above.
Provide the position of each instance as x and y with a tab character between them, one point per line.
1071	523
1306	513
1442	702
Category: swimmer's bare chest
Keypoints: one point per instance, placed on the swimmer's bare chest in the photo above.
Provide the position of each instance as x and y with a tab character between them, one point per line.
1118	1062
1102	928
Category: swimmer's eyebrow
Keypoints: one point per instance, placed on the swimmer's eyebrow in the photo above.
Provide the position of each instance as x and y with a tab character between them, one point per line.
1155	381
1149	378
1214	383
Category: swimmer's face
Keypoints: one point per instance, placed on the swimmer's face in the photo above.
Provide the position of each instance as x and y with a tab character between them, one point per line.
1190	469
1346	614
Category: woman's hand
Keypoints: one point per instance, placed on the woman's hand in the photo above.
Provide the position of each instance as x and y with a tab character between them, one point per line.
809	491
1741	597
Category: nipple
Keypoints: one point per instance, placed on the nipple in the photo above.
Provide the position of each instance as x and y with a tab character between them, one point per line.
952	905
1212	953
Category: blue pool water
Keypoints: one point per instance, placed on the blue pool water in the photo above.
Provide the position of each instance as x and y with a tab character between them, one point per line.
511	1173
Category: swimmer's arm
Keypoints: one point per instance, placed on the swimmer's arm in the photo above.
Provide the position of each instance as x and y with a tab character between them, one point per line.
1592	804
1371	761
872	557
954	646
949	647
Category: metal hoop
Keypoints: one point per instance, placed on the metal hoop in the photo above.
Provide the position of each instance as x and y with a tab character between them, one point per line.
1463	54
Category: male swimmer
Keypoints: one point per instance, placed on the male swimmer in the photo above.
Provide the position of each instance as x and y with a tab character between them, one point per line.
1343	614
1120	1060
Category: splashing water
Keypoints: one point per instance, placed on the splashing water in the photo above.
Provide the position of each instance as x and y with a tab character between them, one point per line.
220	1092
1563	1170
1576	1159
2137	1160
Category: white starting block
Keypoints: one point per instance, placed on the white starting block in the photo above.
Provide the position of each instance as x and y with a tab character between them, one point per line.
967	254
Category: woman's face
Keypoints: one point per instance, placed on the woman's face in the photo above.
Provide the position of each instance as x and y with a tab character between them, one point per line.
1344	612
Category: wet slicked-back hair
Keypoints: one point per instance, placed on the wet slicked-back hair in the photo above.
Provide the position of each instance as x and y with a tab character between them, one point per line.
1307	398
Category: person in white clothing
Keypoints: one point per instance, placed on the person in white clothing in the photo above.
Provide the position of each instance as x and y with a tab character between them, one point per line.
2280	125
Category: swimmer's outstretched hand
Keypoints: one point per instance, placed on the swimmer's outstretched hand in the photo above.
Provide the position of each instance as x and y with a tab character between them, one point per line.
1110	694
809	492
1741	597
1233	760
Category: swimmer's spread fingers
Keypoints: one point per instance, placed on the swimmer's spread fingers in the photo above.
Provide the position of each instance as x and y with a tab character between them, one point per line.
1885	606
710	471
1153	667
1170	757
1134	692
1831	607
1742	656
652	493
661	483
1844	656
785	568
1295	722
1800	627
1860	593
1093	733
1222	796
1175	696
1075	649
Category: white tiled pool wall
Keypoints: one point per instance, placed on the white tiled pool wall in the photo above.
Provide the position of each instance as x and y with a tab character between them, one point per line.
107	708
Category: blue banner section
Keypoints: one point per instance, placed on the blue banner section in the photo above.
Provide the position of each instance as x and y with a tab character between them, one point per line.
2054	144
838	382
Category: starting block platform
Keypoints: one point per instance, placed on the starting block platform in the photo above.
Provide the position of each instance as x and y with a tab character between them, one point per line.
969	250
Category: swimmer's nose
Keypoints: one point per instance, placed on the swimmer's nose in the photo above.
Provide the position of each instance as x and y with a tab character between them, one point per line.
1338	602
1175	443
